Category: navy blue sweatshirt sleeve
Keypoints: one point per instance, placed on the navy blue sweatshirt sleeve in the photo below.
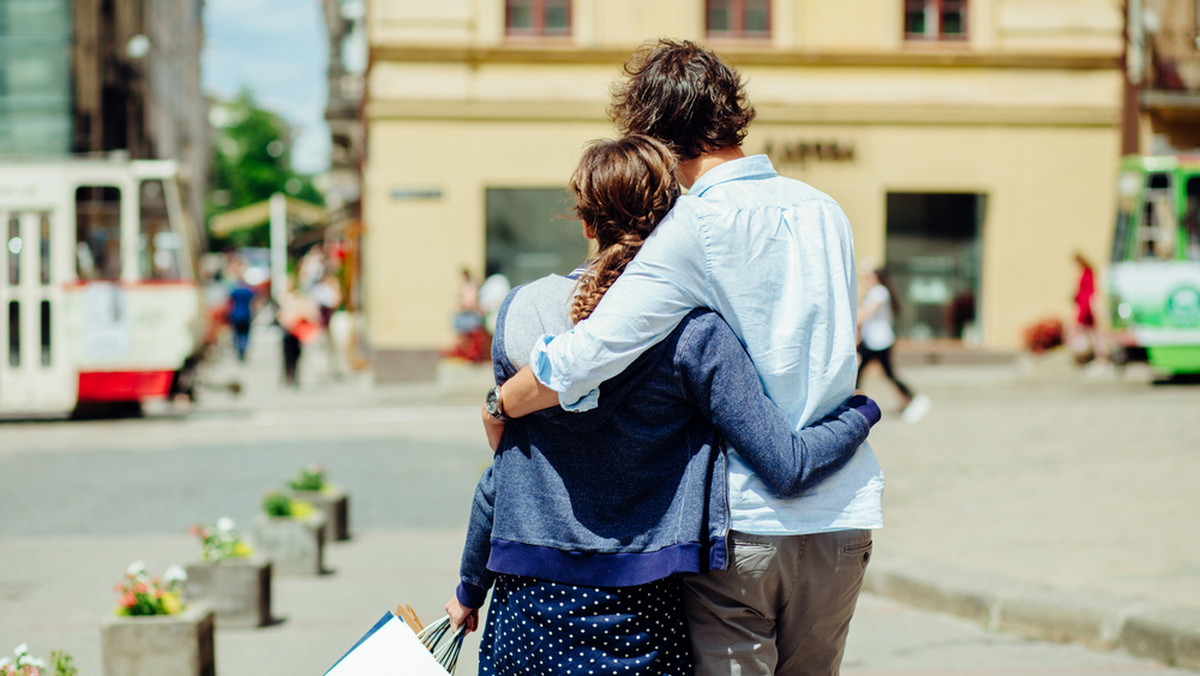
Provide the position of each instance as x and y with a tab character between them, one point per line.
718	376
475	578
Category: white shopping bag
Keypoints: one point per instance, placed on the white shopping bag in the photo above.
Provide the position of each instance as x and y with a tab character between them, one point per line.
390	647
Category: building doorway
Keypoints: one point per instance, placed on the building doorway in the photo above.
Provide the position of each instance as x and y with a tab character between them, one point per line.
531	233
933	256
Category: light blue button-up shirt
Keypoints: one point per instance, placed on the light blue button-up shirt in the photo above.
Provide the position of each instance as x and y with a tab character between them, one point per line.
776	258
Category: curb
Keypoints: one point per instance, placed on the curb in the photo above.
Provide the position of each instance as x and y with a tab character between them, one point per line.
1164	633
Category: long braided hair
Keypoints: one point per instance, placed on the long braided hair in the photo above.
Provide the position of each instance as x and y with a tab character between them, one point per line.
622	189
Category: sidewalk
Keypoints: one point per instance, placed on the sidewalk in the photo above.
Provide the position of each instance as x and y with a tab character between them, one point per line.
1046	500
1030	500
1036	497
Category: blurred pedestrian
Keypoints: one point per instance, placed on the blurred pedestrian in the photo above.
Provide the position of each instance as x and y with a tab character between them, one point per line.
300	319
328	296
877	335
311	269
241	313
471	343
1084	340
491	294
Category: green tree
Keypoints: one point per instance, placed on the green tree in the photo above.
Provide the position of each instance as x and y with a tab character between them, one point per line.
252	159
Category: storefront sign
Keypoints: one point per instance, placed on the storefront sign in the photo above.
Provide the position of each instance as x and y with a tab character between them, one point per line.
801	152
402	194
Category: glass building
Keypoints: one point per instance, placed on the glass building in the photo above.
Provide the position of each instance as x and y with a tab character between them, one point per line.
35	77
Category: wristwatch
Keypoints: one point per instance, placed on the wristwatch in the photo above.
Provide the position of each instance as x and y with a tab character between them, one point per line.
492	403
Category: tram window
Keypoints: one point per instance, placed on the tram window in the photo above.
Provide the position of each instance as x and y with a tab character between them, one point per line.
14	333
45	333
98	233
14	250
1159	229
45	249
158	245
1191	220
1121	237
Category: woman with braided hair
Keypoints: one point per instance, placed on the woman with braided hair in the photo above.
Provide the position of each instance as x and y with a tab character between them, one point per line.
584	522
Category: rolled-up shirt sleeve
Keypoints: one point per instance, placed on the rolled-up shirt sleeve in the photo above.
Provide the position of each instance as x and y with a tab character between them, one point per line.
666	280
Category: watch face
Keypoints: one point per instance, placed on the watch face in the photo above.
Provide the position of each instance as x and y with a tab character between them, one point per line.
492	402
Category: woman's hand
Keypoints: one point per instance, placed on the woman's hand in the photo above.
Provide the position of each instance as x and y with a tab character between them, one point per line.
493	427
462	615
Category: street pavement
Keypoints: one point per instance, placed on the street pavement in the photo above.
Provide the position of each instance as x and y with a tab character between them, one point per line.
1023	479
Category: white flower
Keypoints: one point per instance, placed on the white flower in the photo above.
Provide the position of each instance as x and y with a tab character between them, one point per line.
225	525
136	568
39	663
175	574
22	649
4	662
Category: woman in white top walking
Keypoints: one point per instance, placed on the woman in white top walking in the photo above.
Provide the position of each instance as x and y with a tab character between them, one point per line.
876	320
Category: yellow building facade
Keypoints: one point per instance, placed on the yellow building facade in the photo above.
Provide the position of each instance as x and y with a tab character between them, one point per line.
972	143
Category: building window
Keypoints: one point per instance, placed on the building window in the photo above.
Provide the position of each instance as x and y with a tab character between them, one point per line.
935	19
537	17
933	253
738	18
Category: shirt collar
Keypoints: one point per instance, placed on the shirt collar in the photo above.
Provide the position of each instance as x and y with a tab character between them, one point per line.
743	168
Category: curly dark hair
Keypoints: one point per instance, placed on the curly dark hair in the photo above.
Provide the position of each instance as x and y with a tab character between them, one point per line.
622	189
683	95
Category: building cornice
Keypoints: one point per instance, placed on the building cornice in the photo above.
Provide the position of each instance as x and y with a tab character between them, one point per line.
904	58
843	114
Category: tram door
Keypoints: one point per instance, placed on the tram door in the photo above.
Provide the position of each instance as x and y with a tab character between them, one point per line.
33	375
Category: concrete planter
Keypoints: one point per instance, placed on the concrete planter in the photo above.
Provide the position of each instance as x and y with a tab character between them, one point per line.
295	546
160	645
334	504
237	589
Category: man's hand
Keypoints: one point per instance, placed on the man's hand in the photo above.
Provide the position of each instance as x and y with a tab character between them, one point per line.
494	427
462	615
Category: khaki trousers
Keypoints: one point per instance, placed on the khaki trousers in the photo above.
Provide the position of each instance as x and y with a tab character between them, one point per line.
782	606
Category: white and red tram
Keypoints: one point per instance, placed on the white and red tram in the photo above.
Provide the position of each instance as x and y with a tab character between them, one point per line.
98	295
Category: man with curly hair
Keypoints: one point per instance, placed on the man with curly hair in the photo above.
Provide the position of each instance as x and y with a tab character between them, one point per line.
776	258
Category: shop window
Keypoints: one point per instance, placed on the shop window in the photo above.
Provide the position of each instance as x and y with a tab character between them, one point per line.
1156	237
538	17
158	245
935	20
98	233
738	18
531	233
934	258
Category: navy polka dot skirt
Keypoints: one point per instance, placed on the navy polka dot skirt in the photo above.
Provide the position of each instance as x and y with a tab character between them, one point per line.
550	629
